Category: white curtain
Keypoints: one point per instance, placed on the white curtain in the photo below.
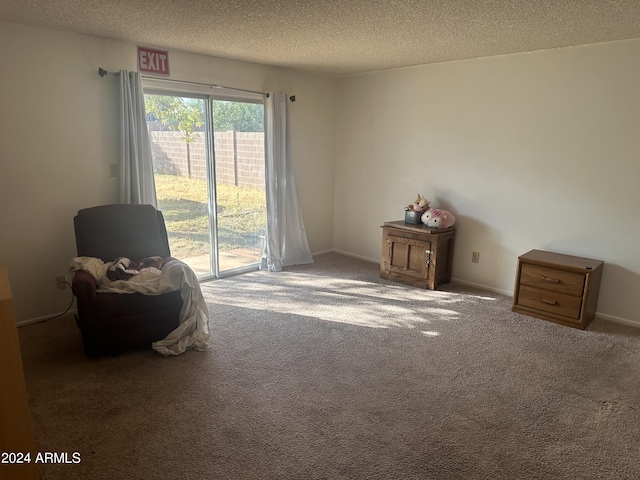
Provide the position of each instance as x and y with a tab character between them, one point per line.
286	240
136	184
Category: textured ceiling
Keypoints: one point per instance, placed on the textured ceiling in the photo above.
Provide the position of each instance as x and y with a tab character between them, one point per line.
339	37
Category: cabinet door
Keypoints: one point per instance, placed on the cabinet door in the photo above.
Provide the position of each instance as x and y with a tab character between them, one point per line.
408	257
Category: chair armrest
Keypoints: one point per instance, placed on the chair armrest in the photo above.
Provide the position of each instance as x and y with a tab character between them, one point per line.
84	288
84	284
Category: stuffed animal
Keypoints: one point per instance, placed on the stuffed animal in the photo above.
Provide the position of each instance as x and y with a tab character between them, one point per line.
435	218
420	205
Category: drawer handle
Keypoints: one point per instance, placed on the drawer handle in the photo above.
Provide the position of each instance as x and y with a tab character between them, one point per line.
548	302
550	280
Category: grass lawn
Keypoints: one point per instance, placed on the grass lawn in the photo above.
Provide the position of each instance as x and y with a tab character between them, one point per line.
242	215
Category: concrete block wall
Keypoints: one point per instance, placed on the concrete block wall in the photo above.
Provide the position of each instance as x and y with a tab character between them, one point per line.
239	156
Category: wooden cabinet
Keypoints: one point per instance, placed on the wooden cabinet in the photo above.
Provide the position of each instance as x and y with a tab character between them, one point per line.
16	435
559	288
416	255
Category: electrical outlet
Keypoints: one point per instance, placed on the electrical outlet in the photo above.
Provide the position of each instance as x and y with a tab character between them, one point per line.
114	170
475	257
61	282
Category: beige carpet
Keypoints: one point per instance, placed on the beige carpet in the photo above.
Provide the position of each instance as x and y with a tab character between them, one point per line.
328	372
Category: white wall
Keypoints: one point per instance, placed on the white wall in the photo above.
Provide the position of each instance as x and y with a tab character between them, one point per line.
537	150
58	137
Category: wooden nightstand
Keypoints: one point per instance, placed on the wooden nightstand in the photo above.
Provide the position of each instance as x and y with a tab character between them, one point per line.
416	255
16	434
559	288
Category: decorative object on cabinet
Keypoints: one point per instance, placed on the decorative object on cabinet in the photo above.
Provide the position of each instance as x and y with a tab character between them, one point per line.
419	205
436	218
556	287
416	255
412	217
413	211
16	434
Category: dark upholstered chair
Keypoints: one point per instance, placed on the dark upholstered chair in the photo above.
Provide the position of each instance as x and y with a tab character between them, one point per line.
112	322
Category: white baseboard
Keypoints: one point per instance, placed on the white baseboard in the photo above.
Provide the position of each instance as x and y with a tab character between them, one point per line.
620	320
31	321
482	287
323	252
359	257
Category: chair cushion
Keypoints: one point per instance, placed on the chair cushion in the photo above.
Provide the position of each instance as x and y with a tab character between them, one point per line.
121	230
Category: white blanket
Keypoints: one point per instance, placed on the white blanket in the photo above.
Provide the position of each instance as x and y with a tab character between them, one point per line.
193	330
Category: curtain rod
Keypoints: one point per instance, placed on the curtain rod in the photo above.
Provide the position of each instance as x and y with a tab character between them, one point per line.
102	72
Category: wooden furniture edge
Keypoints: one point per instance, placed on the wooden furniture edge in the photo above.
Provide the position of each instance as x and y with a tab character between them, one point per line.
16	432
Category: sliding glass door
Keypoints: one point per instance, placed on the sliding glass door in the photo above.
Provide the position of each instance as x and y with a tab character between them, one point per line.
208	157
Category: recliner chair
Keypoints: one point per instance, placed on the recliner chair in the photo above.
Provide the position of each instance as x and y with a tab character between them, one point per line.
113	322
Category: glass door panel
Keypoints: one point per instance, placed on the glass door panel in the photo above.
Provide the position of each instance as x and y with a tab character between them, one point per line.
240	182
178	142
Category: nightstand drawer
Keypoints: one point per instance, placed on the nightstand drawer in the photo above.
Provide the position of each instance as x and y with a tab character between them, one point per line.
397	233
548	301
559	281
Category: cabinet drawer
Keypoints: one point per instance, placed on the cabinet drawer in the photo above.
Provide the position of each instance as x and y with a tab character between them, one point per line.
549	301
560	281
397	233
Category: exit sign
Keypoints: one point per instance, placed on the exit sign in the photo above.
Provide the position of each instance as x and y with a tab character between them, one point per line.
151	60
